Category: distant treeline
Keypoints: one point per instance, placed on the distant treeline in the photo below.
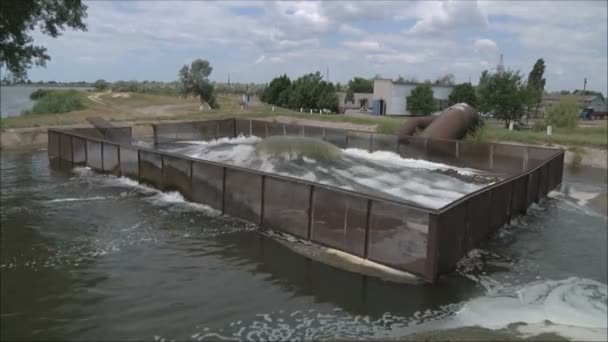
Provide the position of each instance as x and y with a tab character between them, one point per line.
307	92
176	88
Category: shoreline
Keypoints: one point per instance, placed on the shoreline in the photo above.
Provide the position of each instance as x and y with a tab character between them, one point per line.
31	138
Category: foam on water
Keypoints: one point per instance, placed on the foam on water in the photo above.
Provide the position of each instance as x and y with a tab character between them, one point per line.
380	173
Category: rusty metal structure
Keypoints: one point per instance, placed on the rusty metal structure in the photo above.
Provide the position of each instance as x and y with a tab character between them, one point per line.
422	241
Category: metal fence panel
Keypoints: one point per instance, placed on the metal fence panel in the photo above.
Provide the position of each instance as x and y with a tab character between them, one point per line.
519	195
544	181
412	147
94	158
129	165
150	169
508	158
120	135
533	185
478	215
384	142
53	148
336	137
500	208
452	242
398	236
207	184
537	156
475	155
258	128
339	221
313	132
243	127
359	140
243	194
176	175
226	128
110	159
65	147
286	206
275	128
293	129
443	151
79	151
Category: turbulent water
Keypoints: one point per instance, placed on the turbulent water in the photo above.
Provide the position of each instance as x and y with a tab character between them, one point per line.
380	173
90	257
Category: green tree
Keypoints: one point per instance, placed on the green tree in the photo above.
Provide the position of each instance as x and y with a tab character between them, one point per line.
359	85
276	87
535	86
18	18
195	80
100	84
420	101
502	93
564	114
464	92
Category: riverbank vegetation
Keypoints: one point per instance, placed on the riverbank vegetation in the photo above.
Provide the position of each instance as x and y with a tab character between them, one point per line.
56	101
309	92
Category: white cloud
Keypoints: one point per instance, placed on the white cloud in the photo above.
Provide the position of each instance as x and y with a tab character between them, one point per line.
364	45
449	15
559	71
397	57
485	45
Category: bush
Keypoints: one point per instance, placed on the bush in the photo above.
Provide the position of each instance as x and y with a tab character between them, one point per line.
539	126
58	101
563	115
39	93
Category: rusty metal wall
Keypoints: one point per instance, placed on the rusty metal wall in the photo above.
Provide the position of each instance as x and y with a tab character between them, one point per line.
129	162
286	206
111	159
339	221
207	184
176	175
421	241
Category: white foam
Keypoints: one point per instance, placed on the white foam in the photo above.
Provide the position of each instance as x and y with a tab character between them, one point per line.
572	302
394	159
77	199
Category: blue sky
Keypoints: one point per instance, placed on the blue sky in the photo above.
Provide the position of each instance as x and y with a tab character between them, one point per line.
255	41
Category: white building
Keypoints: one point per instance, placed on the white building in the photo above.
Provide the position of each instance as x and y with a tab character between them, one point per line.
390	98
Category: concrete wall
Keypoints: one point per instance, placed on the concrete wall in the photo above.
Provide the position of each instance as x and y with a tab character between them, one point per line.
383	90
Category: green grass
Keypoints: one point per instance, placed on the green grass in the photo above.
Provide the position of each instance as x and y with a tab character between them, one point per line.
582	136
58	101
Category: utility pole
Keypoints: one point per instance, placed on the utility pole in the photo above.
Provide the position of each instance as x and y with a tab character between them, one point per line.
228	78
584	89
327	74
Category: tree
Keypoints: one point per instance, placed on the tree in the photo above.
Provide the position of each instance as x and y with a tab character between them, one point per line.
17	21
464	92
100	84
536	85
277	86
361	85
421	100
502	93
564	114
447	79
195	80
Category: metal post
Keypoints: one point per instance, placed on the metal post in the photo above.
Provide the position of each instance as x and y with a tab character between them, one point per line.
250	128
263	195
119	163
103	169
491	156
311	203
432	246
162	172
86	152
72	149
371	138
457	149
368	218
190	178
525	164
223	190
138	166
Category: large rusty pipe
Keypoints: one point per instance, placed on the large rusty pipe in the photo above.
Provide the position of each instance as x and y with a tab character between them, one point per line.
453	123
409	127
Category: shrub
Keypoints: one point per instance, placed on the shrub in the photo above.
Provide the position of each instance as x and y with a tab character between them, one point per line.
58	101
539	126
563	115
39	93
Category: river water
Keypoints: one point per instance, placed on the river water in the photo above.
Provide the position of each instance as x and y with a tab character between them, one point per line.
16	99
91	257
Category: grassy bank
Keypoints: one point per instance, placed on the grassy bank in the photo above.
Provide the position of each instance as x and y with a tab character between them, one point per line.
135	107
57	101
596	137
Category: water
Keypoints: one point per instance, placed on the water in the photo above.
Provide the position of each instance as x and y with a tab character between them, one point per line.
380	173
89	257
15	100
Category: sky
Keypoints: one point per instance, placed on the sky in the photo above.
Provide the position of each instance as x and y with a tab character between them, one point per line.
256	41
